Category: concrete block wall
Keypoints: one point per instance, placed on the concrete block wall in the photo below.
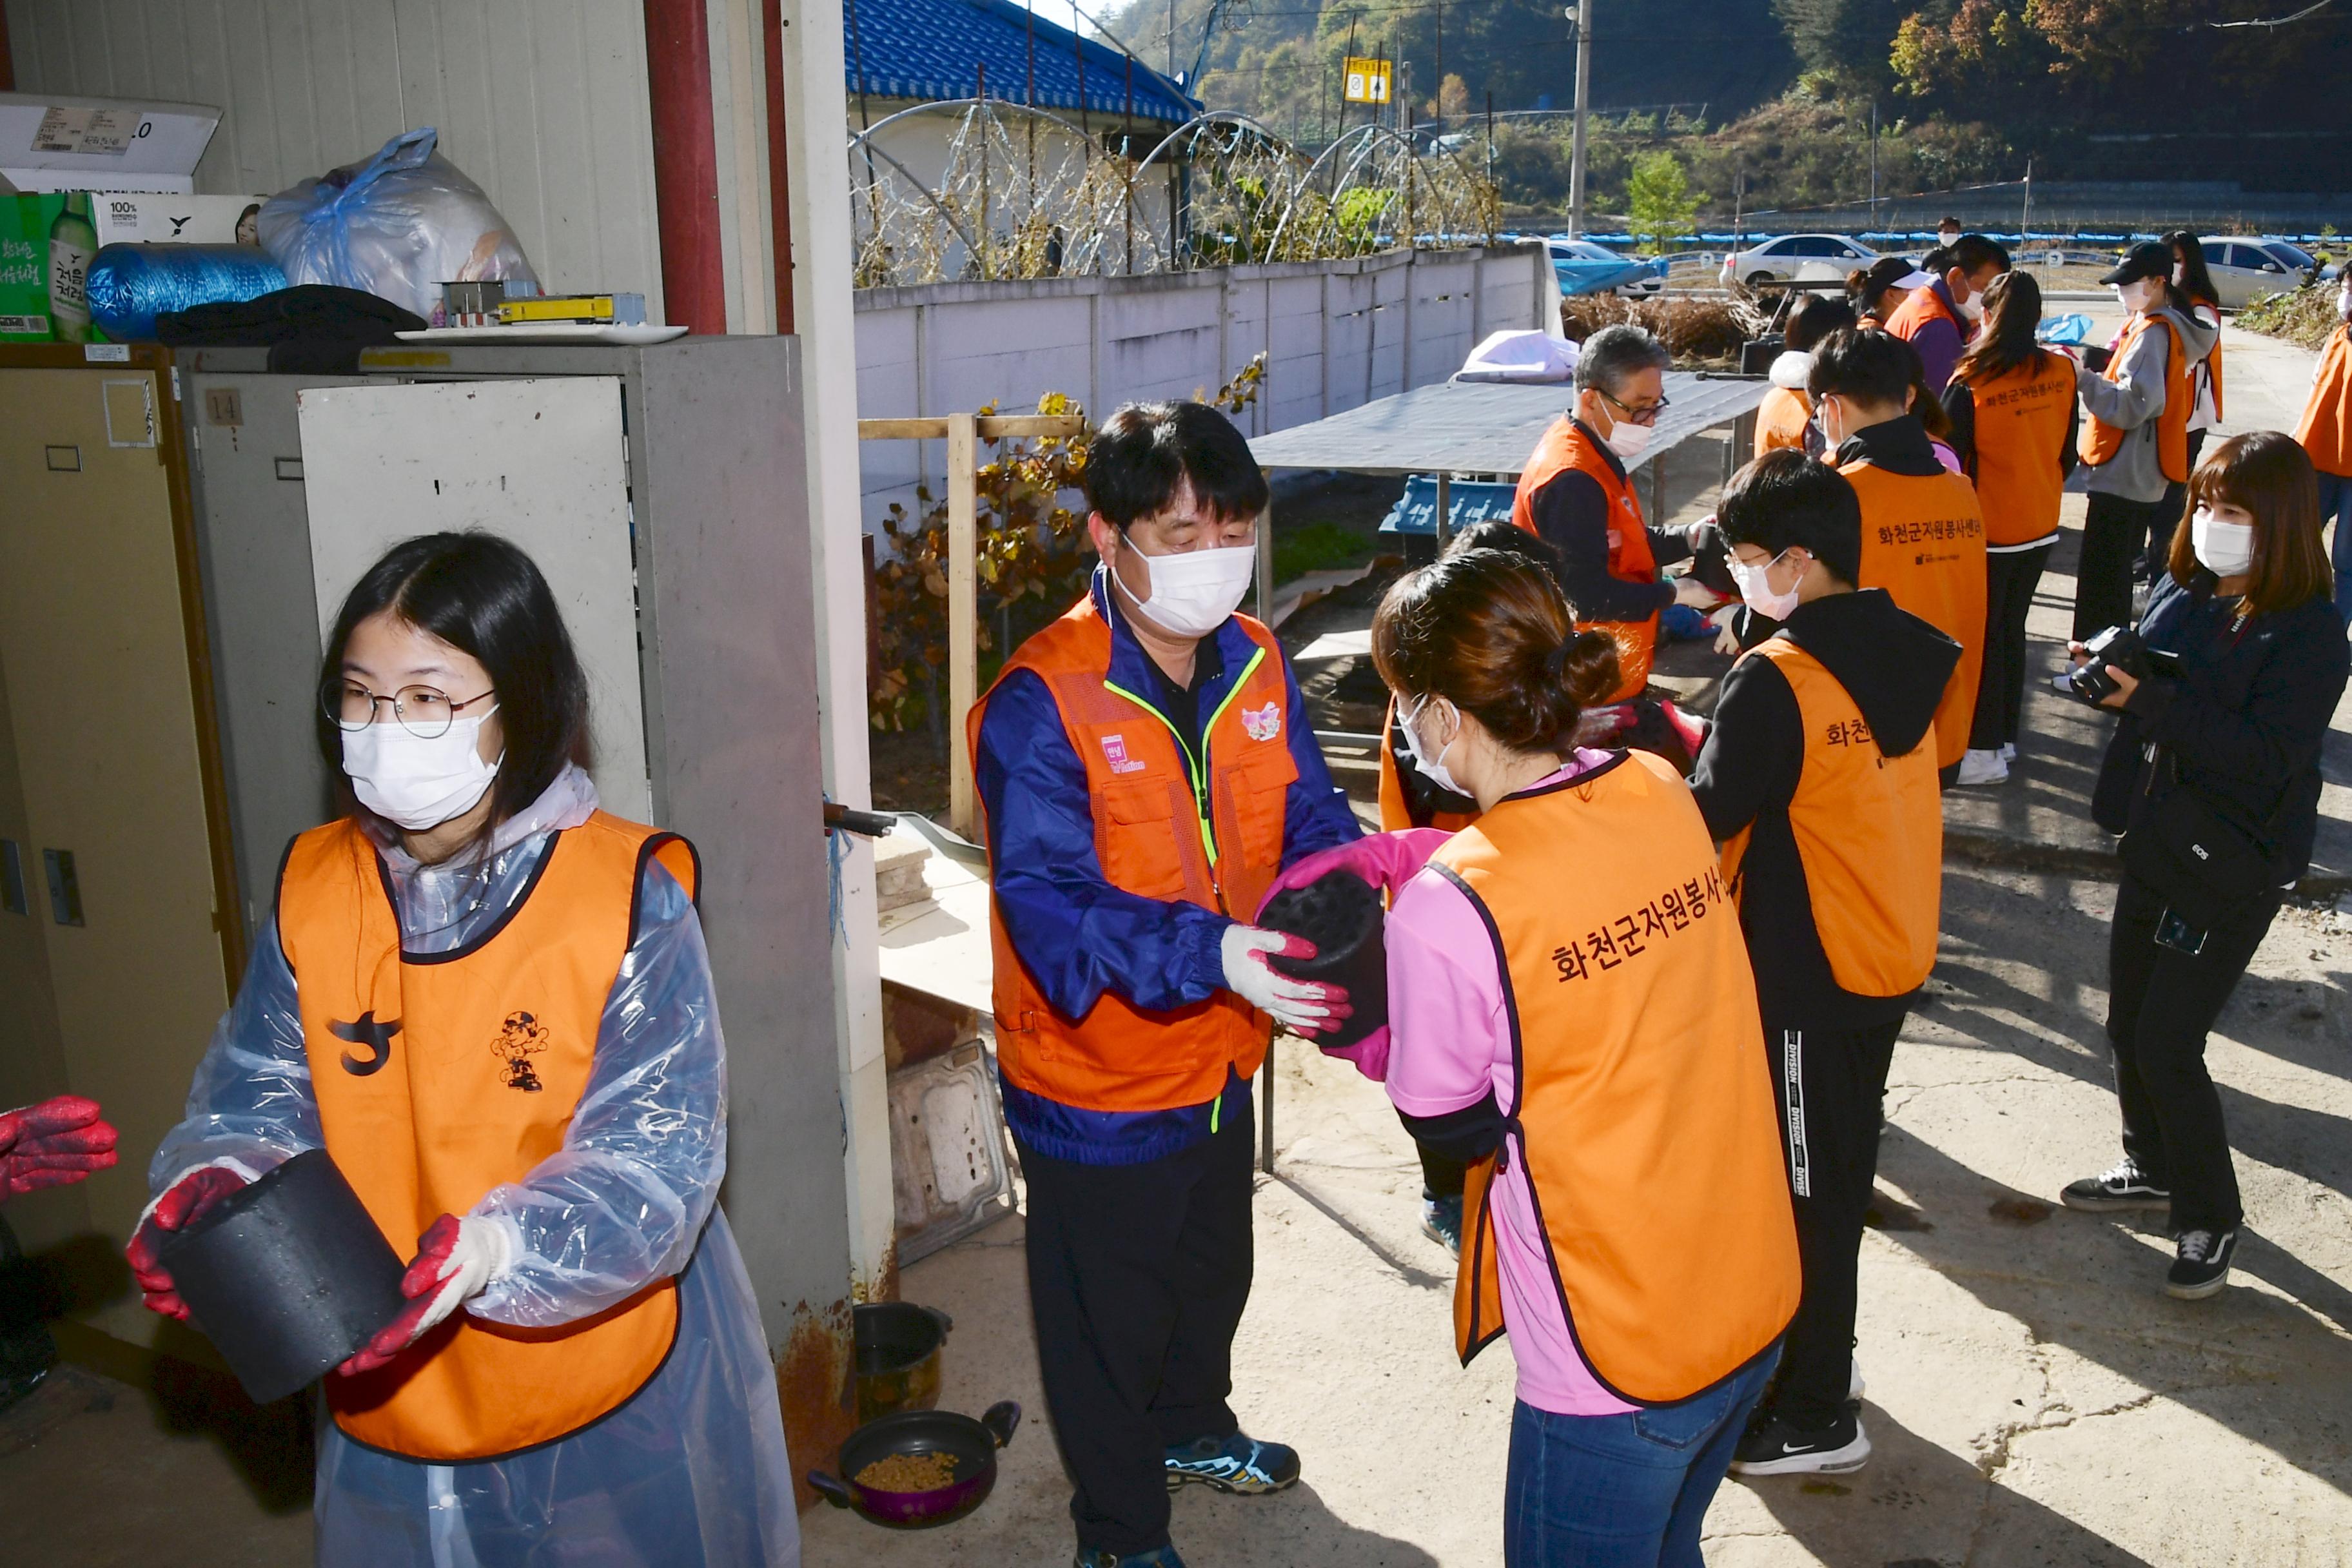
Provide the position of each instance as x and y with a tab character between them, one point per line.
1336	334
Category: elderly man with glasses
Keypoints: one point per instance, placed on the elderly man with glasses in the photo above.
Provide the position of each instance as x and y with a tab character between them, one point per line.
1576	495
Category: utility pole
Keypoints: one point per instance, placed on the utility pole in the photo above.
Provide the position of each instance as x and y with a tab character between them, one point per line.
2025	220
1172	40
1874	162
1582	17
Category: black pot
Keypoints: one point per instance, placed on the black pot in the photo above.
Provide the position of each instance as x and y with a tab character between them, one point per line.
288	1277
898	1347
973	1444
1341	914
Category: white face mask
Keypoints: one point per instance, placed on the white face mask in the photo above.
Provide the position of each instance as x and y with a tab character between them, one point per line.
2343	302
1972	308
1431	768
2141	295
2226	549
415	782
1196	591
1756	588
1629	440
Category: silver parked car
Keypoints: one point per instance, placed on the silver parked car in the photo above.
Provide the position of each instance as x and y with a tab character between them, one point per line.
1796	258
2245	269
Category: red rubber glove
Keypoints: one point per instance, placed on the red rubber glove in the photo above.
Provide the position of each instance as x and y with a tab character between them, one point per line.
456	1260
177	1209
49	1144
1386	860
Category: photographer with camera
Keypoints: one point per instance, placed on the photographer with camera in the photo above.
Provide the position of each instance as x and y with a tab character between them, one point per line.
2212	777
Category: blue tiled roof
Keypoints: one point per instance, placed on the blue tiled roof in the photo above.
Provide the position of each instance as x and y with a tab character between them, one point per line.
932	48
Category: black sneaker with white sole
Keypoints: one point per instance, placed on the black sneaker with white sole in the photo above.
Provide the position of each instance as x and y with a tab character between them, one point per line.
2125	1188
2201	1263
1773	1447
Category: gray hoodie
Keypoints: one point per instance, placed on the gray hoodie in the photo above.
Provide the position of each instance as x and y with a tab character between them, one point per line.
2131	402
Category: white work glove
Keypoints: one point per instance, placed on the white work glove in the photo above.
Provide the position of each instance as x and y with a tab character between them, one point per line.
1303	1006
456	1260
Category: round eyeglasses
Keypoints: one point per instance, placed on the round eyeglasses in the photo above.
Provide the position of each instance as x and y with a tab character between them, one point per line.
423	711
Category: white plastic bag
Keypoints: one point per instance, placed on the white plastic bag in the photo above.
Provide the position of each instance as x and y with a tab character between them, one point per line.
1520	355
398	225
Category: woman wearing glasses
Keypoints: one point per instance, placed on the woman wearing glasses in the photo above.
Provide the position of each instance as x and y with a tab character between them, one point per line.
489	1001
1575	494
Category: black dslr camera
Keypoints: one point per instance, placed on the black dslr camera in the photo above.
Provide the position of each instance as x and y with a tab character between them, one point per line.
2117	646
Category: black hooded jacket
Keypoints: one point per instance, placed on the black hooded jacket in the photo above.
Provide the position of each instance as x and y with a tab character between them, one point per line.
1895	666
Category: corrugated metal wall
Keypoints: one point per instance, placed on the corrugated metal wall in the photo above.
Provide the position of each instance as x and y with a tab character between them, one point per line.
543	103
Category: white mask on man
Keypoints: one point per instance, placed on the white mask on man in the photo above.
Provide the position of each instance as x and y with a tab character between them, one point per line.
1629	440
1194	592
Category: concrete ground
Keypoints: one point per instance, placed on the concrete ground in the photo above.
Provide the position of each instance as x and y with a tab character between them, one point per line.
2034	1398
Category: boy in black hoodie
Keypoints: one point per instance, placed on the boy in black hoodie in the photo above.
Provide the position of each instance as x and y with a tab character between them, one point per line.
1819	778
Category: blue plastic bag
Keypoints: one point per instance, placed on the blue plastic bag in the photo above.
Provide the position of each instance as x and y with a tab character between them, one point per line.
130	285
2071	328
398	225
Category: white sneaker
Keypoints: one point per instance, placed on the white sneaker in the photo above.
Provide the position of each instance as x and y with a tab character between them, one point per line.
1983	768
2009	751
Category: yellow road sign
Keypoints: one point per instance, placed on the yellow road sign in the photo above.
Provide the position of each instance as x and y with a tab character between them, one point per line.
1367	80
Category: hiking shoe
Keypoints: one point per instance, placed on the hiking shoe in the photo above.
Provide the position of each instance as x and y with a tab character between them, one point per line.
1239	1464
2125	1188
2200	1263
1773	1447
1983	768
1158	1557
1441	1221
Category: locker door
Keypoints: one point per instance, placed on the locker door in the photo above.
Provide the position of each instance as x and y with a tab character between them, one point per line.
102	723
543	462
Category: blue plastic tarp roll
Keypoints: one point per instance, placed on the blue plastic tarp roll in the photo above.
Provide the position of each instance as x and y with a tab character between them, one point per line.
130	285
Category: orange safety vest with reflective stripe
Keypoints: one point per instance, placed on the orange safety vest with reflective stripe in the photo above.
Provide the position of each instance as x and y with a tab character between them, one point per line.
2325	428
1642	1102
2021	417
1870	835
1211	836
1919	307
1780	420
1562	448
2101	441
439	1075
1923	541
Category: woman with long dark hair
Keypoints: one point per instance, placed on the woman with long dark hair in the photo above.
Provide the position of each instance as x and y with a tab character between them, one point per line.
2195	281
2213	778
2012	413
489	1001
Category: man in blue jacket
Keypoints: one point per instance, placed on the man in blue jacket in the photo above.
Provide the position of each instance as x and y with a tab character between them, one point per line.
1147	769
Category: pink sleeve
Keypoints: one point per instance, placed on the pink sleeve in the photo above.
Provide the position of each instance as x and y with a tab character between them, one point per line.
1449	1042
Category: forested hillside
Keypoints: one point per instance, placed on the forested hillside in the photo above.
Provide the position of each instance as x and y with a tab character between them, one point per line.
1777	94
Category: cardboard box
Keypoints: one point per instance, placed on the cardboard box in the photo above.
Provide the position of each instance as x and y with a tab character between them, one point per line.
53	142
46	243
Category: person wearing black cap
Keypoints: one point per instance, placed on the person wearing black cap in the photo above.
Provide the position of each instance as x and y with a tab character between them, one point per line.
2135	445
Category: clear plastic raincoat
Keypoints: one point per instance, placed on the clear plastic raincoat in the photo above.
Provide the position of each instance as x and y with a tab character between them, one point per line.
692	1470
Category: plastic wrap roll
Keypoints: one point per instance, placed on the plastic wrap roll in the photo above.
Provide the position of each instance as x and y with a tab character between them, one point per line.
130	285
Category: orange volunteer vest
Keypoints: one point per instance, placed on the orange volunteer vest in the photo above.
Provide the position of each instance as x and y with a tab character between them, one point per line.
440	1076
1780	420
2021	417
2101	441
1919	307
1870	835
1923	541
2325	428
1642	1103
1161	831
1563	446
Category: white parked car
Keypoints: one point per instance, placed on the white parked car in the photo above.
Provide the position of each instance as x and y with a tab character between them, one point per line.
2244	269
1796	258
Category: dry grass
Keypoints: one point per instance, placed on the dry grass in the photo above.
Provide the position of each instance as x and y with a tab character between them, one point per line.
1697	333
2307	316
